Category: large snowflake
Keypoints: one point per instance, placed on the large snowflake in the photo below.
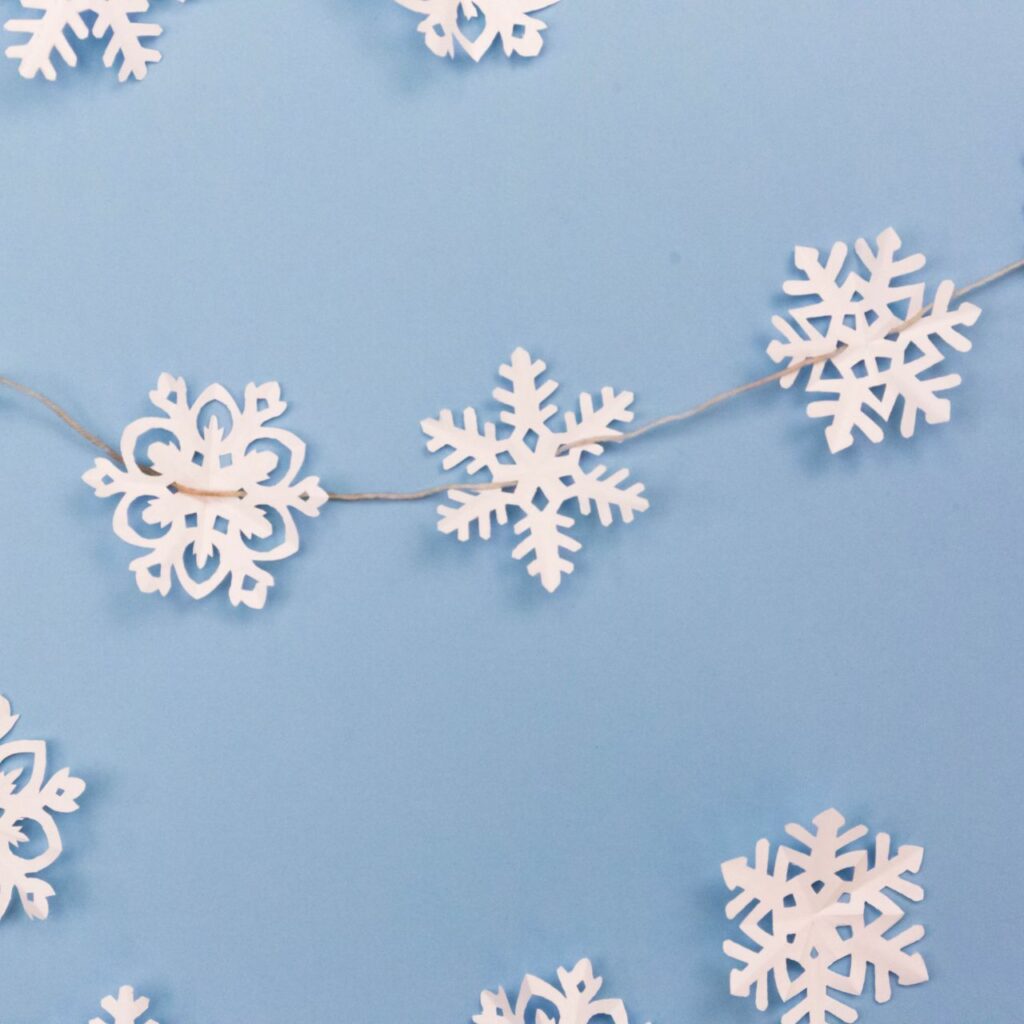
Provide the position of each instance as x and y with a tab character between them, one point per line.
543	473
508	20
814	912
27	796
125	1009
574	1001
48	34
208	490
884	337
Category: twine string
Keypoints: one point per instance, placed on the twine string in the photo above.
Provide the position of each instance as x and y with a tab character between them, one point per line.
618	438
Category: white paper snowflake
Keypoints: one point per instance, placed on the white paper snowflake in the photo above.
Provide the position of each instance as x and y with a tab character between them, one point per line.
542	477
49	33
878	363
27	796
125	1009
232	460
814	912
573	1002
509	20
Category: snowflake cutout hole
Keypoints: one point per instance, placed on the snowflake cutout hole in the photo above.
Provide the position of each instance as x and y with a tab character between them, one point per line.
884	337
813	912
125	1009
542	474
210	494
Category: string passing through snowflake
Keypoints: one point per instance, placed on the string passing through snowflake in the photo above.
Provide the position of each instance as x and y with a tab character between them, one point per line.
574	1001
884	337
835	909
212	491
447	22
542	469
27	796
48	34
125	1009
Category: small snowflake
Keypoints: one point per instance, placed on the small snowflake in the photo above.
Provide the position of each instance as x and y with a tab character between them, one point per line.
814	910
49	33
125	1009
509	20
231	468
542	476
574	1002
878	363
34	800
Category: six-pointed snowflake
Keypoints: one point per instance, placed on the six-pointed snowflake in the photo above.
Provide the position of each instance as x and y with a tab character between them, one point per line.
884	337
48	34
125	1009
543	473
508	20
814	911
231	466
26	795
574	1001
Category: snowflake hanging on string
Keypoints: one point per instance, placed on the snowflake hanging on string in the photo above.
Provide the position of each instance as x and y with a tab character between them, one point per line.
26	796
573	1002
245	473
508	20
125	1009
884	337
835	908
48	33
542	477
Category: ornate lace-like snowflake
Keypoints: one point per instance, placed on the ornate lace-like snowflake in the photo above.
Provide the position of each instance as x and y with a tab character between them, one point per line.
226	460
508	20
812	911
574	1001
542	477
27	796
125	1009
878	363
49	34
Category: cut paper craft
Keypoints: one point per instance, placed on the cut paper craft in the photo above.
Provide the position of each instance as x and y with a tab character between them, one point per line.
814	912
877	363
125	1009
542	477
28	798
48	34
574	1001
447	22
246	472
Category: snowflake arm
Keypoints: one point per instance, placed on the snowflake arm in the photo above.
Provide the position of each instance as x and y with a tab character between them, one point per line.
126	36
545	540
47	34
526	398
125	1009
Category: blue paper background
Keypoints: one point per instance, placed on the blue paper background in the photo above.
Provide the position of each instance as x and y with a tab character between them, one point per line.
415	774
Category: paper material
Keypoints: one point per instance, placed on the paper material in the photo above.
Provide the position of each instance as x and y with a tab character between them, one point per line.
836	906
214	457
26	796
125	1009
527	452
574	1000
484	21
878	365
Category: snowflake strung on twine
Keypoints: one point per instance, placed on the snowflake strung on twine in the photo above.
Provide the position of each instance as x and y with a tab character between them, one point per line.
232	473
49	33
834	908
125	1009
542	476
574	1002
879	360
30	798
509	20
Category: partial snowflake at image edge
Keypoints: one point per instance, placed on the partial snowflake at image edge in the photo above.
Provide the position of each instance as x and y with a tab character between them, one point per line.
124	1009
884	336
511	21
814	912
543	477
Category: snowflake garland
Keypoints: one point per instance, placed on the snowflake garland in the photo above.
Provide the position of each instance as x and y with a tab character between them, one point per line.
531	457
27	796
125	1009
511	21
885	335
48	34
232	472
574	1001
836	907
